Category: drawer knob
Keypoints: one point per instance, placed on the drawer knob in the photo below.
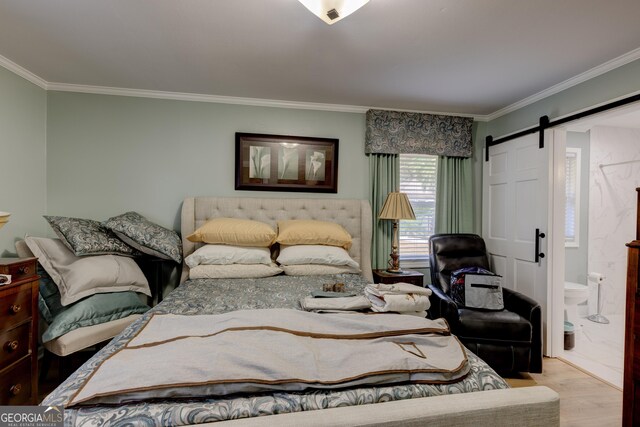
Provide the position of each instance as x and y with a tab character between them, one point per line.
23	269
11	346
15	308
15	389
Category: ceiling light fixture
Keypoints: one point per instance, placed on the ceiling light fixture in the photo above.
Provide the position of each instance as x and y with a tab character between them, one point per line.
332	11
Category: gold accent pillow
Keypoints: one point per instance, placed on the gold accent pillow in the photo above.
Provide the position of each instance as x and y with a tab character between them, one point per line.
312	232
234	231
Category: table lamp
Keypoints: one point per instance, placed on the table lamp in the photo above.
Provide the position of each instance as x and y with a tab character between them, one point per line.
396	207
4	218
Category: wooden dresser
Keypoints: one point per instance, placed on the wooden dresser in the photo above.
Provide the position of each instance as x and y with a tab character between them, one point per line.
631	389
19	332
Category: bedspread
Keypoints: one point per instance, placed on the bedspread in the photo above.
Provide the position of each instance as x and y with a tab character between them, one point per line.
215	296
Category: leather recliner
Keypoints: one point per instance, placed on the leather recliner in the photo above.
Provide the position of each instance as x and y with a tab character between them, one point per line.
509	340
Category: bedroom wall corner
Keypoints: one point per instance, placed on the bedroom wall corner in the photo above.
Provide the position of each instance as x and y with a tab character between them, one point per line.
23	150
479	134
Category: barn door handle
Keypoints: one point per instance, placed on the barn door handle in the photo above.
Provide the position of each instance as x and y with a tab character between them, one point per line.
539	255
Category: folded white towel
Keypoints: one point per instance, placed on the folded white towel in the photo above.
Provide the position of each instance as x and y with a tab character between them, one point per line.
335	304
398	297
415	313
399	303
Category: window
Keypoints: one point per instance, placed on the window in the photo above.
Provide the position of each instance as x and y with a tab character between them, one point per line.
572	192
418	181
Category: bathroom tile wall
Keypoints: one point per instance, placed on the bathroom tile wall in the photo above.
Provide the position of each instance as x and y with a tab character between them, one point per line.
612	210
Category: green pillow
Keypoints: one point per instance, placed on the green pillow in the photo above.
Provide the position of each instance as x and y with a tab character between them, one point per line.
48	297
93	310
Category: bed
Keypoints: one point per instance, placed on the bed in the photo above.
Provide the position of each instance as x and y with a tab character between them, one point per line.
411	402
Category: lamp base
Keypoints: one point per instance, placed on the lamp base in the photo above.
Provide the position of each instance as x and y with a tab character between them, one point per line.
394	271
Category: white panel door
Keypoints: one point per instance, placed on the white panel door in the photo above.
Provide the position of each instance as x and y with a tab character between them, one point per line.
515	204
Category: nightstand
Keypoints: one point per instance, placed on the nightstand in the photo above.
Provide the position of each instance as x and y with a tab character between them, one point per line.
19	332
407	276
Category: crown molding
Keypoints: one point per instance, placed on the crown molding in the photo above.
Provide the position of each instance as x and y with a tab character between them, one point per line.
219	99
573	81
22	72
195	97
258	102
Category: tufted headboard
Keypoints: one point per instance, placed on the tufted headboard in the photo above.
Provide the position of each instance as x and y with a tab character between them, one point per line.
353	215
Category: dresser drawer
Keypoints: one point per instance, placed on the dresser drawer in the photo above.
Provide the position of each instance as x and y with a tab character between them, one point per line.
20	269
15	384
15	307
14	344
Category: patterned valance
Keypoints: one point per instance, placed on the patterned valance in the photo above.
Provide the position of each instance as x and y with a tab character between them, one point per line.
395	132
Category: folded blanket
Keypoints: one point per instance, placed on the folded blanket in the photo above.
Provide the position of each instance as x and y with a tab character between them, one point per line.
335	304
260	351
398	297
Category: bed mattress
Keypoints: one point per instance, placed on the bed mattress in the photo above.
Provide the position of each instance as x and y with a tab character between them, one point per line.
216	296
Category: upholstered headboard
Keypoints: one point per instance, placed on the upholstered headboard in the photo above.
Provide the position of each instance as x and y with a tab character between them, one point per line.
353	215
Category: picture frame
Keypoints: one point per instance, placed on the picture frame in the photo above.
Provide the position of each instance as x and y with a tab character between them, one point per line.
286	163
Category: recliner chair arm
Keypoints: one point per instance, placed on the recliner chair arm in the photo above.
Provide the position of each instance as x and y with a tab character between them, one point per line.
520	303
529	309
442	305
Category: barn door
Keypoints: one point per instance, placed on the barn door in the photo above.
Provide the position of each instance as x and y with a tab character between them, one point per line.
516	214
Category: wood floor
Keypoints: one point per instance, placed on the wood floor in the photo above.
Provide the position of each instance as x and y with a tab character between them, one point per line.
584	400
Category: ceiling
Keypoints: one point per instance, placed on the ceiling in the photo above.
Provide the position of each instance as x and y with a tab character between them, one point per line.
457	56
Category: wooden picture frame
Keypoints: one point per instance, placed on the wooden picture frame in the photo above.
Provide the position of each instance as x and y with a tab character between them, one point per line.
286	163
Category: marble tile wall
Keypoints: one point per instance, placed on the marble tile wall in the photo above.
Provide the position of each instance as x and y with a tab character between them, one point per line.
614	175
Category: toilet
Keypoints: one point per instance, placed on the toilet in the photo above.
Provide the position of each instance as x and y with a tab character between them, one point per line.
574	294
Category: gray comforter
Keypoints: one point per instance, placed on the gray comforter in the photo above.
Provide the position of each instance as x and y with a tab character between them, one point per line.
220	296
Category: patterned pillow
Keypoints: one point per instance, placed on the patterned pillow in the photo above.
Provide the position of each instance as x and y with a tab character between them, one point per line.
88	237
145	236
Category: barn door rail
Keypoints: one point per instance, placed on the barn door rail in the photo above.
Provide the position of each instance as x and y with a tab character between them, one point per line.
545	123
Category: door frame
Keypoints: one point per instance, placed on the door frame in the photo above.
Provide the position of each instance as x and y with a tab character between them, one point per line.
556	221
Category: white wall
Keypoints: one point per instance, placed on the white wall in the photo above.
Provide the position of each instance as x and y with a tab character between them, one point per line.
612	209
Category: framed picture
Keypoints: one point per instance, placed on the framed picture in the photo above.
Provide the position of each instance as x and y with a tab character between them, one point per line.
286	163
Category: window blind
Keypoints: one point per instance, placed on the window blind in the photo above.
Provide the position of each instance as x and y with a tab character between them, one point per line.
418	180
572	178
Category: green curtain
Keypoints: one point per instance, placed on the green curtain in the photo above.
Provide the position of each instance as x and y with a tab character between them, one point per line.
454	196
384	177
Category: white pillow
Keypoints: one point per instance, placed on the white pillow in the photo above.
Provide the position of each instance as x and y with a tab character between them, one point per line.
225	254
317	269
80	277
233	271
315	254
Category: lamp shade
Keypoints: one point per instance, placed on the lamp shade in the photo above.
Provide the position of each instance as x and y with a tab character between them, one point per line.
4	218
397	206
332	11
